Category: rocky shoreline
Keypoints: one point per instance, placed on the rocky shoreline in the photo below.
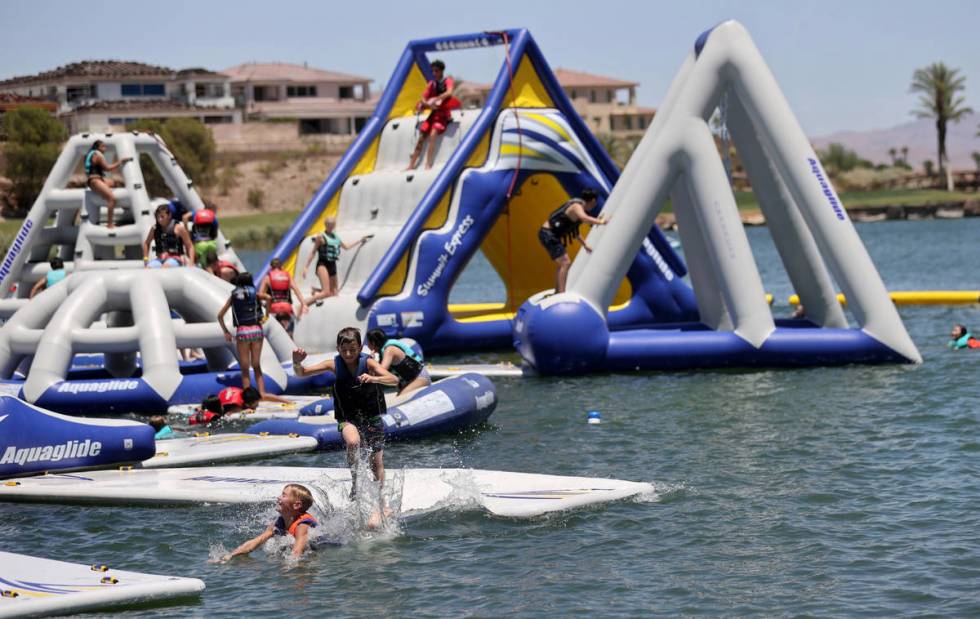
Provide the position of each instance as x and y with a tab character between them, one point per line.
950	210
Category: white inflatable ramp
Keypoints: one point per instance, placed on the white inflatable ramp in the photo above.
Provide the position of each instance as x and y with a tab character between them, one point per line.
265	410
35	587
230	447
490	370
517	495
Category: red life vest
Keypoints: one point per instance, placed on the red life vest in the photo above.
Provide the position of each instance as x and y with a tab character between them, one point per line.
303	518
201	417
973	343
231	396
282	298
227	265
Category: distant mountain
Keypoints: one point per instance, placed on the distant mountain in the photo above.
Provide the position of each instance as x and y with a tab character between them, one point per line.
919	136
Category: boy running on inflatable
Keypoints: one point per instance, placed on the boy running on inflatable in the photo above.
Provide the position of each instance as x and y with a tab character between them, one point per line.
438	97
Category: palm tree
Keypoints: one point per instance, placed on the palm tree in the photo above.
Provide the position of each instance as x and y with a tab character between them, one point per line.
939	86
893	153
976	159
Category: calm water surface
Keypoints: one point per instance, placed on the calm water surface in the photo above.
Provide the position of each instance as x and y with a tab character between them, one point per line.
844	492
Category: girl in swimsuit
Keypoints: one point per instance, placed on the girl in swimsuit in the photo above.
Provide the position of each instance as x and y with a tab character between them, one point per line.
96	167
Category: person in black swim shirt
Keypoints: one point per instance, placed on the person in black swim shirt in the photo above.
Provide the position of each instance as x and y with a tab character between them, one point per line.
399	359
96	167
562	226
170	241
359	401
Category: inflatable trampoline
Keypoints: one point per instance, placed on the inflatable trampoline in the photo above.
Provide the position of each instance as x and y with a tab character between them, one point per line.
444	406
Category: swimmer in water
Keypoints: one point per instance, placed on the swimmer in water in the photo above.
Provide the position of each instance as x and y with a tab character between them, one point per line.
294	520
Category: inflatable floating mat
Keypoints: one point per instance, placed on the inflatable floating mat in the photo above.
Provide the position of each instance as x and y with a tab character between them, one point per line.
34	587
445	406
34	440
214	448
493	370
518	495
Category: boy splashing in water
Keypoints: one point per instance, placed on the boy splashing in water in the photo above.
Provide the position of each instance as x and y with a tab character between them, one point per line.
359	400
294	520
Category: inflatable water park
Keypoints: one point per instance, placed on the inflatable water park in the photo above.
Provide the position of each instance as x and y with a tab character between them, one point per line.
103	339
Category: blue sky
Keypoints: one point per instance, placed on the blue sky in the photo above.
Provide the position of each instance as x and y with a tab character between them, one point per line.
842	65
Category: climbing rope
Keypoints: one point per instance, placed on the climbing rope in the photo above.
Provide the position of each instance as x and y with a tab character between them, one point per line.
517	169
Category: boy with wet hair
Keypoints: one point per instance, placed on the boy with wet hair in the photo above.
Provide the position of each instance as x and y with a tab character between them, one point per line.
359	400
293	506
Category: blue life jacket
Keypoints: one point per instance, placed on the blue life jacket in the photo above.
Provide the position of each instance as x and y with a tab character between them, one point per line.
54	276
245	306
93	168
329	249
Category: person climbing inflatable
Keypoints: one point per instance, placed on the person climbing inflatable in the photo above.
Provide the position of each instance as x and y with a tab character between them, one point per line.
326	249
96	167
399	359
562	226
279	286
170	240
438	97
204	234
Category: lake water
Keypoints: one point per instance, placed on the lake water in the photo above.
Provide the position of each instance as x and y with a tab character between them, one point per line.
850	491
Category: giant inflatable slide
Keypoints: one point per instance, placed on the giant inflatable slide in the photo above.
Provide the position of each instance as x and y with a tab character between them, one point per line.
498	172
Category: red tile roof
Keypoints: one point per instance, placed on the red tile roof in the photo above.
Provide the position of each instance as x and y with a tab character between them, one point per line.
283	72
92	69
12	102
580	79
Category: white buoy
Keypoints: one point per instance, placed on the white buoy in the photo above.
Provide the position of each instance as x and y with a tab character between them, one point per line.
594	417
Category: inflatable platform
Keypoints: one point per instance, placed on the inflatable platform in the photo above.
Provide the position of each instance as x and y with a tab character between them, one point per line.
206	448
678	159
515	495
33	440
499	171
36	587
444	406
128	315
69	222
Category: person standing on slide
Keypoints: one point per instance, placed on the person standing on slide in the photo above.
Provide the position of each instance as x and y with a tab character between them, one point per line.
562	226
326	249
438	97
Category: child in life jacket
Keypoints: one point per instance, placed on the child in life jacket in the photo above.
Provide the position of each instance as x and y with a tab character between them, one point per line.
399	359
962	338
210	411
439	100
278	284
245	304
326	249
161	427
294	520
204	234
170	241
359	401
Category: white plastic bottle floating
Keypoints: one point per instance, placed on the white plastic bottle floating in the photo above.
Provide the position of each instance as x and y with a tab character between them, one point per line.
594	417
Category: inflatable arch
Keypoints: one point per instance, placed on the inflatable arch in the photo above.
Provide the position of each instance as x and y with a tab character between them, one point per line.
120	313
67	222
498	172
678	158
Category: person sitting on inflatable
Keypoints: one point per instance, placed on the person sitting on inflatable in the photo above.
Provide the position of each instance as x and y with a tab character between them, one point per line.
211	410
359	401
438	97
170	241
55	275
326	248
220	268
204	234
294	520
399	359
279	285
962	338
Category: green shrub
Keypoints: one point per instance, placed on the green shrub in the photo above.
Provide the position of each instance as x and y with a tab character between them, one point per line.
255	198
34	140
191	144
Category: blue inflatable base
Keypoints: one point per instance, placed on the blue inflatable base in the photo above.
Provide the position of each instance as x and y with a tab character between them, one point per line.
33	440
448	405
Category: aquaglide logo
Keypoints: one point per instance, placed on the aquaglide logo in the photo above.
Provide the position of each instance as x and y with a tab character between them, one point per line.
98	387
825	187
51	453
